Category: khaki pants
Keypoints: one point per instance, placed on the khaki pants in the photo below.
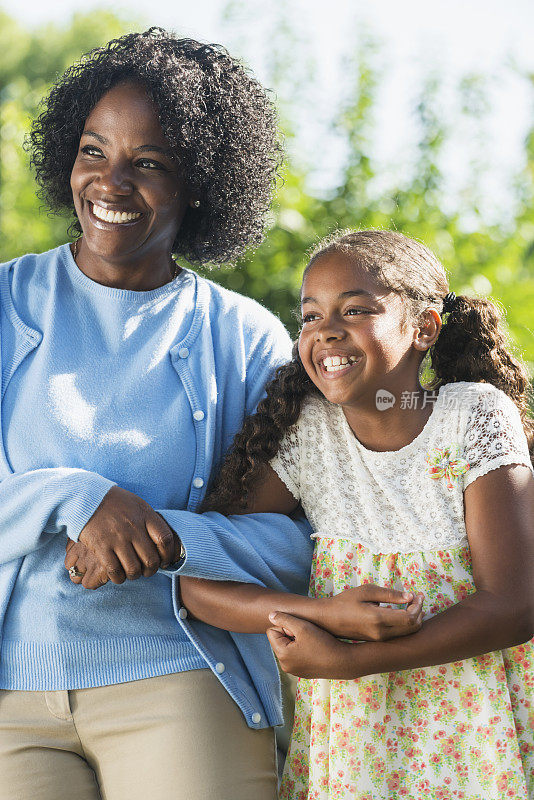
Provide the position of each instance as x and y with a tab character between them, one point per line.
176	737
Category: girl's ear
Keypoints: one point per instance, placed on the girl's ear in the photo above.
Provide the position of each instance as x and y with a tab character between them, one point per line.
426	333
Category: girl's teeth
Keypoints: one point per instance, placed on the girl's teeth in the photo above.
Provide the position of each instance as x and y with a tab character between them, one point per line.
115	216
337	363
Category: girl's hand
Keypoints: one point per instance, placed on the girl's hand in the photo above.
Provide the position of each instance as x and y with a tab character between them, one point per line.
355	613
303	649
94	575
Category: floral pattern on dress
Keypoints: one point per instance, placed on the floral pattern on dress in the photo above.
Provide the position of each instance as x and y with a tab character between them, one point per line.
461	731
446	463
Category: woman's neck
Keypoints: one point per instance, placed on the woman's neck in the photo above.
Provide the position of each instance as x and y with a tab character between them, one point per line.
119	275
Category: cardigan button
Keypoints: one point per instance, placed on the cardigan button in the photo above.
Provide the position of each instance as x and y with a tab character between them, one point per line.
198	483
220	667
183	352
182	613
256	718
198	415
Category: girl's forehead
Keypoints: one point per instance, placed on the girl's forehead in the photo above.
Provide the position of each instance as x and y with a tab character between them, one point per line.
335	273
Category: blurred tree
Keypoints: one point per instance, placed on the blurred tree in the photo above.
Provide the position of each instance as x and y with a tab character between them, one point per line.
496	260
29	63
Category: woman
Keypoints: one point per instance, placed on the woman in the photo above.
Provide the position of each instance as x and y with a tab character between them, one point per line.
114	364
124	380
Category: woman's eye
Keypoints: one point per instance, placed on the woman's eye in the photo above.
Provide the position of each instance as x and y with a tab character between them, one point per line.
310	317
148	163
90	150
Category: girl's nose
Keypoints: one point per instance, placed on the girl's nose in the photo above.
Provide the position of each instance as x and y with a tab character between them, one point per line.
329	330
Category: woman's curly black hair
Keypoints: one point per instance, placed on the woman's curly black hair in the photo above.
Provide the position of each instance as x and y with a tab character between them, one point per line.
472	346
219	122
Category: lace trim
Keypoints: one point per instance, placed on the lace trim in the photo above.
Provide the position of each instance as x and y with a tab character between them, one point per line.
453	545
507	460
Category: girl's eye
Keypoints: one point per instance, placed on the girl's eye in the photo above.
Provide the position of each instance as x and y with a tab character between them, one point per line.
309	317
355	311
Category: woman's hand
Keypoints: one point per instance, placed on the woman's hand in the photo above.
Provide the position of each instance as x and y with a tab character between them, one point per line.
303	649
128	538
93	573
355	613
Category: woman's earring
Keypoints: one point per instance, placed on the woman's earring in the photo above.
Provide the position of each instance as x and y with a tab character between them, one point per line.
195	203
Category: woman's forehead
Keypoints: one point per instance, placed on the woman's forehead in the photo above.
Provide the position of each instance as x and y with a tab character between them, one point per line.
126	106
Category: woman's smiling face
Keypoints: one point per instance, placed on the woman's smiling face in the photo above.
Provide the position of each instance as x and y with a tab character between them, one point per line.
128	195
355	338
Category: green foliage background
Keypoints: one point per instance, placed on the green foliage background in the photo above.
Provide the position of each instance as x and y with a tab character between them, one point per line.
486	259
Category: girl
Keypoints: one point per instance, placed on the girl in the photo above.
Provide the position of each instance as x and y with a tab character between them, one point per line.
429	490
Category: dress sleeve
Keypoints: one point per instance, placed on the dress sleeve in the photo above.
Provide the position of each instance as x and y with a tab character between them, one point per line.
494	435
286	462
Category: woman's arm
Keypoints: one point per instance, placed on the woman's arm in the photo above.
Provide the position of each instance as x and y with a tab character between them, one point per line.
245	608
499	516
39	504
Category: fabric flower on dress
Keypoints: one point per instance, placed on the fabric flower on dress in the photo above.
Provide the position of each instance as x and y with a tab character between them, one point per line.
446	463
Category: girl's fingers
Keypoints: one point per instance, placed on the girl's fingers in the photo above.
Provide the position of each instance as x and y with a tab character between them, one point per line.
278	640
382	594
287	622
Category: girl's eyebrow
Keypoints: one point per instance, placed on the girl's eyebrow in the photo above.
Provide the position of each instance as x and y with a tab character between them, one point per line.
342	295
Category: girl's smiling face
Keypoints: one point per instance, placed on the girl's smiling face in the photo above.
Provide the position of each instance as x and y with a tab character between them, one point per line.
355	337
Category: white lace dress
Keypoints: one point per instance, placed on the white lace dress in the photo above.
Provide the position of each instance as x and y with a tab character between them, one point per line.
459	731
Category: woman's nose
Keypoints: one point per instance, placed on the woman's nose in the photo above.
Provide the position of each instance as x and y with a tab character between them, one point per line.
115	179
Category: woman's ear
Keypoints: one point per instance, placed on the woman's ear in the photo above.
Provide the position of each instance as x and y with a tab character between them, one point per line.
426	333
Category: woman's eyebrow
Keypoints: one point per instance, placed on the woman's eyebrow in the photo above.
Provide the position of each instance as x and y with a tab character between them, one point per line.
97	136
342	295
155	148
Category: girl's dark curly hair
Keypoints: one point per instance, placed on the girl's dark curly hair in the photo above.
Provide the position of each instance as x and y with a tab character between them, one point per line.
472	346
218	120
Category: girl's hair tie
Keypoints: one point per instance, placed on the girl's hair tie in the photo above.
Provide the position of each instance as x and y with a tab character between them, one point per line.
449	303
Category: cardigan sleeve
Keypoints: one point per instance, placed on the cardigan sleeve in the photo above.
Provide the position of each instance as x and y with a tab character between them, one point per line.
266	549
38	504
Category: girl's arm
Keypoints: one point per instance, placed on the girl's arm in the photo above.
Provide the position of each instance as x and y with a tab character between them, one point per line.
245	608
499	516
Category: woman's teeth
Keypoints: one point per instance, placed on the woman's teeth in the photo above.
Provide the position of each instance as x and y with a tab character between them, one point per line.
337	363
114	216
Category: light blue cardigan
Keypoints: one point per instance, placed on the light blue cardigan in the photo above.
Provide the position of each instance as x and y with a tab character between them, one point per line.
223	361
